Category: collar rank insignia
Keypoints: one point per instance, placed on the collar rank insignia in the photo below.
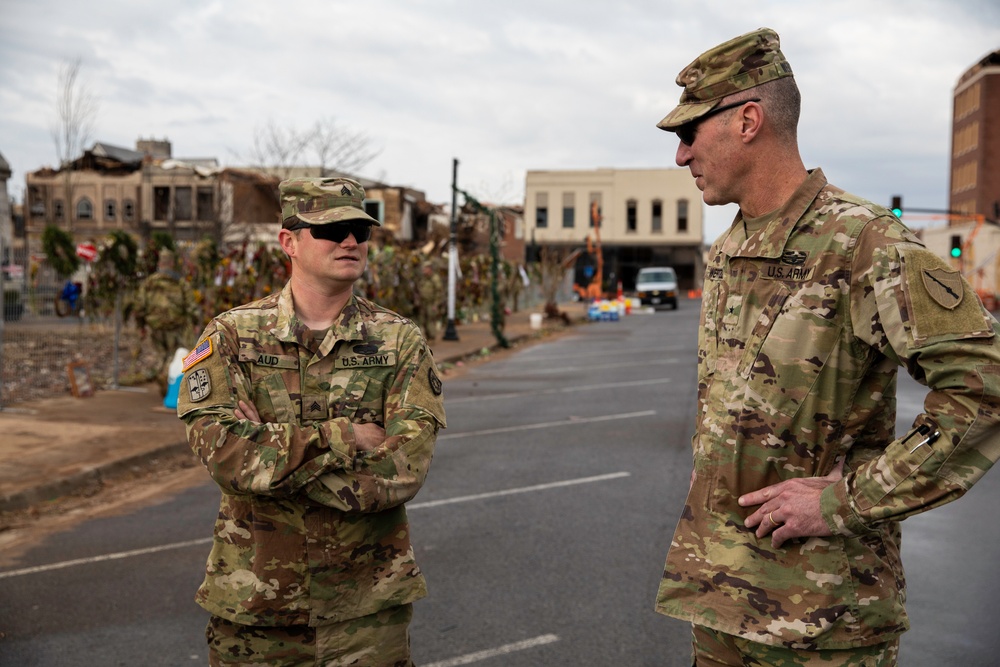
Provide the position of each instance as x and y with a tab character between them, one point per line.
346	191
794	257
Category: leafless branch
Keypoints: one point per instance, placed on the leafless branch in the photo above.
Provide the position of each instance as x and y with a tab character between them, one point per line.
340	149
76	109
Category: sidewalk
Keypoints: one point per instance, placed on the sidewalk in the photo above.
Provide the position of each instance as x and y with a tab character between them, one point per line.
63	446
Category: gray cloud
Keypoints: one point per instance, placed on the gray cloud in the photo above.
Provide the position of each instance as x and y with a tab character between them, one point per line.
504	87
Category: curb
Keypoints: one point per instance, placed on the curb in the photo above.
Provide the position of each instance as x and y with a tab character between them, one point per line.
94	477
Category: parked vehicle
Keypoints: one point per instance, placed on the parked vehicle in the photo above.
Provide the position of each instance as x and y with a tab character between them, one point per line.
656	286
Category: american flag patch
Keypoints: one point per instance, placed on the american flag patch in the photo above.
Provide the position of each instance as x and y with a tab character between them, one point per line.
203	350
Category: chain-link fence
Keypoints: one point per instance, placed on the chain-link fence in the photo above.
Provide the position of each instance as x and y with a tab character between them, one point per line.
48	343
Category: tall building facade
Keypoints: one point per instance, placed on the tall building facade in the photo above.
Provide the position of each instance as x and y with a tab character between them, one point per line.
975	140
649	217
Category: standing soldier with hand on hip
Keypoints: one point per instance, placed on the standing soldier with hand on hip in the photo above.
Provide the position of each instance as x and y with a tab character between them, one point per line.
787	551
316	412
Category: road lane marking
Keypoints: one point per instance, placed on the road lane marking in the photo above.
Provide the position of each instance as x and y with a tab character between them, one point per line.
507	372
207	540
479	656
546	352
105	557
522	489
572	421
561	390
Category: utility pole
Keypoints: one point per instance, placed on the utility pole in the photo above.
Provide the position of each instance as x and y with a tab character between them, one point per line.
449	332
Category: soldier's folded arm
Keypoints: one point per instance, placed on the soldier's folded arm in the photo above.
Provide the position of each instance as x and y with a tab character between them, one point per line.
393	472
245	457
941	334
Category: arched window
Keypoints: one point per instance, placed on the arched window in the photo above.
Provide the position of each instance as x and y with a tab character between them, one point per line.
84	209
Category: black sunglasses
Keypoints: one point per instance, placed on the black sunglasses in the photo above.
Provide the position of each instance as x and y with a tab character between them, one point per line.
338	231
686	133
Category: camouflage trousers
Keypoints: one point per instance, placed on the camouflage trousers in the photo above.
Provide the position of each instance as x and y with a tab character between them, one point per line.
379	640
718	649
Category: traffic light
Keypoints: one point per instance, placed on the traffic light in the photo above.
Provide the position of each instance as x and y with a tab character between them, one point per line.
897	206
956	246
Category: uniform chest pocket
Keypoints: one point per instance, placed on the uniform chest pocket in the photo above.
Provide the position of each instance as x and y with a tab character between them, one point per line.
358	395
270	395
787	351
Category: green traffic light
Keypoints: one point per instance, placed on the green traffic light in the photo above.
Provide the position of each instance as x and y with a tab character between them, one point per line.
956	252
898	212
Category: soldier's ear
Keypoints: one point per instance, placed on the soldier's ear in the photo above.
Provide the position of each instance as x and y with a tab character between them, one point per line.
289	241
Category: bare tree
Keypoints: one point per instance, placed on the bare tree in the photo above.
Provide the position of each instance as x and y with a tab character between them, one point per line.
276	148
340	149
76	111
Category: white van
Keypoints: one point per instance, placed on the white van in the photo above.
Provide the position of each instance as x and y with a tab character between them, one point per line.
657	285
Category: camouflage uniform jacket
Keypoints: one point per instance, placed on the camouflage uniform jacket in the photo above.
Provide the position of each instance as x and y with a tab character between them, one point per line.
803	327
164	303
310	529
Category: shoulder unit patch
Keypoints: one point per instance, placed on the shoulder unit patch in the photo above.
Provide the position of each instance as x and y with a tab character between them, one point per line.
945	287
199	385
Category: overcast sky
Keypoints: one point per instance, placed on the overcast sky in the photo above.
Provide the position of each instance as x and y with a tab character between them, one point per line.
504	86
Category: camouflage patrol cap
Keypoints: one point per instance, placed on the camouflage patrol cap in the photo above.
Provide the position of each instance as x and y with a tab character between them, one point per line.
320	201
739	64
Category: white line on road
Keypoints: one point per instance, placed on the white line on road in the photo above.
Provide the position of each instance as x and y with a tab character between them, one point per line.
507	372
561	390
523	489
99	559
478	656
607	352
572	421
206	540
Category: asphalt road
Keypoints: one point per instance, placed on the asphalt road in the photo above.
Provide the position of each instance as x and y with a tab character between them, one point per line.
542	530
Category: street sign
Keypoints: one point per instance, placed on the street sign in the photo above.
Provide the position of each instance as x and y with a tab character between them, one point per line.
86	251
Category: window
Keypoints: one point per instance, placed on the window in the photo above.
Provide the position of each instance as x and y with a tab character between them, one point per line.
375	208
128	210
58	210
206	204
657	227
682	215
541	210
183	209
84	209
161	203
631	216
568	212
110	209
